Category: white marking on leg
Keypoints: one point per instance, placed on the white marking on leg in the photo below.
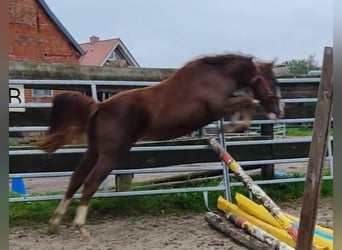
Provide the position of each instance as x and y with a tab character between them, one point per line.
63	206
234	122
81	215
281	109
80	220
58	215
246	120
235	117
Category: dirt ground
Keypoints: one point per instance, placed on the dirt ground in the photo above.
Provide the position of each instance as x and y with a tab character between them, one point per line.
185	232
144	232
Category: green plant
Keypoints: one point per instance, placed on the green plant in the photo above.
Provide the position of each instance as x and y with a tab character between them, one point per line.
38	213
12	142
300	131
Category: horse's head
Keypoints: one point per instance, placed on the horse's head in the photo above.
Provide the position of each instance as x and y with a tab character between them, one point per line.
266	90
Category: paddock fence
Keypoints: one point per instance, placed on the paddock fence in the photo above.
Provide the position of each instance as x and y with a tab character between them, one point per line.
298	94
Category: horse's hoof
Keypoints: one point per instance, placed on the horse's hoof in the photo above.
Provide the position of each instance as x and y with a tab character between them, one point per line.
227	128
53	229
239	130
233	129
54	223
86	237
84	233
272	116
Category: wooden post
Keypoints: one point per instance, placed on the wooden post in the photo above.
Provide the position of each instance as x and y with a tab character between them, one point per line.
123	182
317	154
267	170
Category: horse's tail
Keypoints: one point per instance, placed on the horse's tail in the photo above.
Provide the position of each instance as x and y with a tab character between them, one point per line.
70	114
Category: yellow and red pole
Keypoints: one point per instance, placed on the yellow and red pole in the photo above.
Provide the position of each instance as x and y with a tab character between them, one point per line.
268	203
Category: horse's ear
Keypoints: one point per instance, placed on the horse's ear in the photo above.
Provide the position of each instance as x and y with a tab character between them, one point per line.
263	66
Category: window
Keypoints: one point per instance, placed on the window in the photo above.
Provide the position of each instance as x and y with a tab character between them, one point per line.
41	92
113	56
116	55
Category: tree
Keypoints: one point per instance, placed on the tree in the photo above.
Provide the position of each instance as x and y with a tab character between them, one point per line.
302	66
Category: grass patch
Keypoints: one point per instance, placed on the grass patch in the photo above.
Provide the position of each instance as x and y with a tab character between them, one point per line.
29	213
301	131
13	143
39	213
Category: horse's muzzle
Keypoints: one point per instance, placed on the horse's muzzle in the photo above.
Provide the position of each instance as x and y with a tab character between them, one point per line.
275	116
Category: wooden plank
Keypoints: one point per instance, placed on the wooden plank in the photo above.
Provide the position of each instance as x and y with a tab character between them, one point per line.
33	70
300	90
68	161
138	159
317	154
237	234
175	184
31	117
257	232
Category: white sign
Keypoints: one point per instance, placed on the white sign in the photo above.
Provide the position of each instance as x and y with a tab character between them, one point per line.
16	96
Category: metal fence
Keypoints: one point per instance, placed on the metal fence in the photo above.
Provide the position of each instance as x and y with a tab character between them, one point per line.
225	185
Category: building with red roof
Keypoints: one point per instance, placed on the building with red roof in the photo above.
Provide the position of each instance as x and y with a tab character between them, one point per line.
110	52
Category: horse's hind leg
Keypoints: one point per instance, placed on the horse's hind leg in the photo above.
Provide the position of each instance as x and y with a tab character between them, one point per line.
85	166
115	135
101	170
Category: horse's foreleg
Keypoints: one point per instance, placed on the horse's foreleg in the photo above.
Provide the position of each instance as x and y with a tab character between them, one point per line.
101	170
237	107
235	118
237	125
77	178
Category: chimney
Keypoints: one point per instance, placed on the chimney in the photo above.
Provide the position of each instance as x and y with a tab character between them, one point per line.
94	39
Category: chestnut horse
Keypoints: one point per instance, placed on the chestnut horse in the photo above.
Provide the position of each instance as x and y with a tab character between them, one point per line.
200	92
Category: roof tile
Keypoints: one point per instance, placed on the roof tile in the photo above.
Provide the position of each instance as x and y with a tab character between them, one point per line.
97	52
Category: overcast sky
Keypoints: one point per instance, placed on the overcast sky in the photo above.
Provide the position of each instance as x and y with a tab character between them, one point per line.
167	33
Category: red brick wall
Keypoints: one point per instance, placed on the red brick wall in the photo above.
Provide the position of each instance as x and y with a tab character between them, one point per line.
44	99
34	37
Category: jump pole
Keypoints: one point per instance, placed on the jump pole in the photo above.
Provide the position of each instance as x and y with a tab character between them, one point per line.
257	232
268	203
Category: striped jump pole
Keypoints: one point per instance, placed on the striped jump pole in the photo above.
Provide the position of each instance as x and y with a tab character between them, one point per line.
268	203
258	232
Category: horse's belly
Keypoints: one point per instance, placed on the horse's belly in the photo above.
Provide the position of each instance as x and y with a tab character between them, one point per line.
171	130
179	119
